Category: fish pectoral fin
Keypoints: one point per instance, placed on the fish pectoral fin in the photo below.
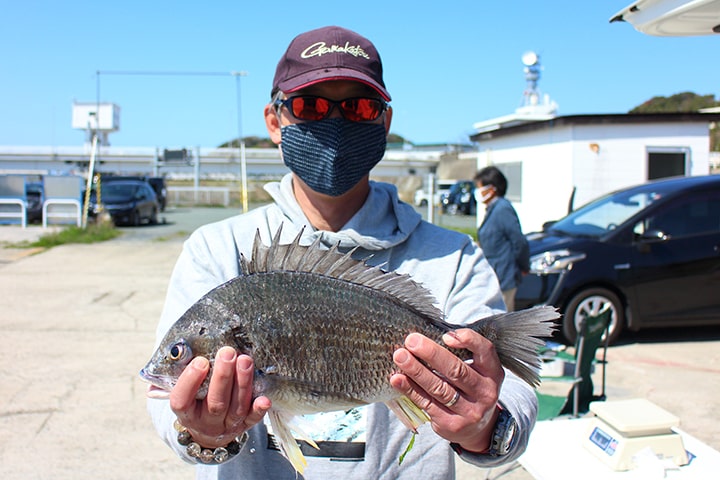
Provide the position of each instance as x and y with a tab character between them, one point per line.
280	423
242	340
409	414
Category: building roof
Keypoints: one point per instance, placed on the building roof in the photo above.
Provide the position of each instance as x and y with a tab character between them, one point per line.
672	18
598	119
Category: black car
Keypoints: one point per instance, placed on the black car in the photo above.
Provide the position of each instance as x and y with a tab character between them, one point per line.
129	202
650	253
460	199
157	183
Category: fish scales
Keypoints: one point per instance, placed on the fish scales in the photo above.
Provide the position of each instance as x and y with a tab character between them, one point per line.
333	339
321	328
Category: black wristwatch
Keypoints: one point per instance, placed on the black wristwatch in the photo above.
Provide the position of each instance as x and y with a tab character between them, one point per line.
504	434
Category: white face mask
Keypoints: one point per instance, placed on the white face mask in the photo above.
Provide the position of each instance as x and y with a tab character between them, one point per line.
483	194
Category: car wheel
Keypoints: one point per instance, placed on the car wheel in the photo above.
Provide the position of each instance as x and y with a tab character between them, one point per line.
135	219
154	217
591	302
423	203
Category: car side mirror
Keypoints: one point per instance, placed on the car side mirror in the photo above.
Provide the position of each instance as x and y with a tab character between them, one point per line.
653	235
547	225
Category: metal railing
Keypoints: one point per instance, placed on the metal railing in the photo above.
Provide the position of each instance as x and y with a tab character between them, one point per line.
20	215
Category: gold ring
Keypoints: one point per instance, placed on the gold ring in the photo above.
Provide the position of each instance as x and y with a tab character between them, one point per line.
454	400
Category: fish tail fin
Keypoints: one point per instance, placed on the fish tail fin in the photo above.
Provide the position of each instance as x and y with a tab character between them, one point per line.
409	414
281	423
518	336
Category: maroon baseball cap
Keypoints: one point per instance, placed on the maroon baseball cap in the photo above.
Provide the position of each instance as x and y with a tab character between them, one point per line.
329	53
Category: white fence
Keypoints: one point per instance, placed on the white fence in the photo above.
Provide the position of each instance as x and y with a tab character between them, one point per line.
198	196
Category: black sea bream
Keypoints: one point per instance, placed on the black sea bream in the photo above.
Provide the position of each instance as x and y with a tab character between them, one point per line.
321	328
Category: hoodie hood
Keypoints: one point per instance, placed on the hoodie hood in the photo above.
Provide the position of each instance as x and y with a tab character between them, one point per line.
384	220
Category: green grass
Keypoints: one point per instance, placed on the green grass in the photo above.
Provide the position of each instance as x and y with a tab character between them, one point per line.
91	234
472	231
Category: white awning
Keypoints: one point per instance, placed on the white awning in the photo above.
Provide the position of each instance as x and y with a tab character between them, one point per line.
672	18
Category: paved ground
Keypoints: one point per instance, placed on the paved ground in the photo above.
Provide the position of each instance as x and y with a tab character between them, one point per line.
78	322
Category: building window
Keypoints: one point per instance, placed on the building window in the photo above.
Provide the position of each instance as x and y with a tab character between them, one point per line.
513	173
667	162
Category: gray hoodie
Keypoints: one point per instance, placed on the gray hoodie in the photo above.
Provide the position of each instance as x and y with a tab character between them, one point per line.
449	264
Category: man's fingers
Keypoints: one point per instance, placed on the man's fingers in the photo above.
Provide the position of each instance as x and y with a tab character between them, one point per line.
260	407
485	359
445	373
407	387
422	385
241	400
182	396
221	383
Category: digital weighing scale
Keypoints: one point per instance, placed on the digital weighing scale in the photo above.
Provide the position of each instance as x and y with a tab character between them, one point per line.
620	429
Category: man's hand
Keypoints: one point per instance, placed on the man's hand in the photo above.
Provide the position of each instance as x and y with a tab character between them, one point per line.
431	376
229	409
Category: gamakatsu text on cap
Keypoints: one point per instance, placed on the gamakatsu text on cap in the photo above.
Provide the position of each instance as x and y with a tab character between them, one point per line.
319	49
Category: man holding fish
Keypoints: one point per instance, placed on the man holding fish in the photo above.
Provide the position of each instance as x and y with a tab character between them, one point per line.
329	114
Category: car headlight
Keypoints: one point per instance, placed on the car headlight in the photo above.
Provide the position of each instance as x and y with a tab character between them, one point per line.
554	261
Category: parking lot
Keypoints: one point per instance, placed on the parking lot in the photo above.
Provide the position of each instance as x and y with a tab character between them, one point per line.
78	323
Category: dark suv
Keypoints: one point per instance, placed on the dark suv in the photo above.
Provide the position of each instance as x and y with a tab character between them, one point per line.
650	253
129	202
157	183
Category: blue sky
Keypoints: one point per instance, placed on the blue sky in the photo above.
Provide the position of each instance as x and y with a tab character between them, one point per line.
447	64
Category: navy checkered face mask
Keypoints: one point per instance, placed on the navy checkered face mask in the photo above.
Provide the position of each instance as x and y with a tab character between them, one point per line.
333	154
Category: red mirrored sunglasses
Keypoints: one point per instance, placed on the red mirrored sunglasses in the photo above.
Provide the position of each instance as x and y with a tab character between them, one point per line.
312	108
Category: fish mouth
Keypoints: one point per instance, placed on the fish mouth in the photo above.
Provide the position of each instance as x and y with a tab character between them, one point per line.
157	393
159	387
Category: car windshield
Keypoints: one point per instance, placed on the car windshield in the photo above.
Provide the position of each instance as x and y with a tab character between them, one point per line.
460	187
119	189
607	213
455	188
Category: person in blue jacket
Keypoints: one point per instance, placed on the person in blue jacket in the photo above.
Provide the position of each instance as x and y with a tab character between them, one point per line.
500	235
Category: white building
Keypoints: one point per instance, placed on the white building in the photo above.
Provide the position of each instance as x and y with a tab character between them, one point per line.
565	161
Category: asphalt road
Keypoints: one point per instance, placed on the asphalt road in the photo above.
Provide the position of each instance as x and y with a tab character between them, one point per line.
78	322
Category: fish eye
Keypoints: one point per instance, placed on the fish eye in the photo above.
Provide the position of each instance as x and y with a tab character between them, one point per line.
178	351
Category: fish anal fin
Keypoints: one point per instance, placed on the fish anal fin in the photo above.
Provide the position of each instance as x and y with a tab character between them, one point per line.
288	446
409	414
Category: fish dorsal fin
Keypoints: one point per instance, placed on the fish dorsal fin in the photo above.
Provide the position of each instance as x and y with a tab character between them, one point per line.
314	259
